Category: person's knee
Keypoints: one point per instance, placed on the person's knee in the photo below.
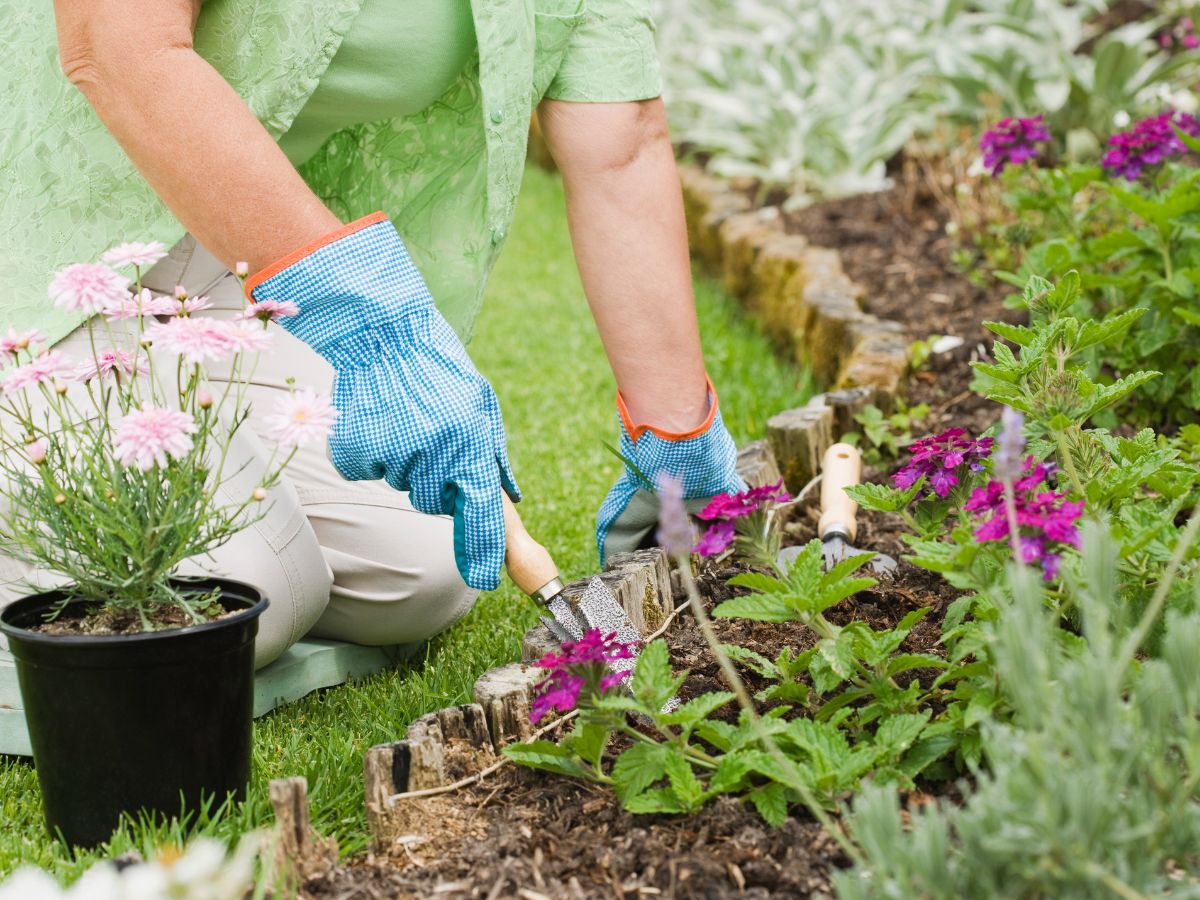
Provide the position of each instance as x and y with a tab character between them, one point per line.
394	601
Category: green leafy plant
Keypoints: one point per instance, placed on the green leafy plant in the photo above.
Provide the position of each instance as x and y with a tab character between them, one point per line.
1091	789
884	435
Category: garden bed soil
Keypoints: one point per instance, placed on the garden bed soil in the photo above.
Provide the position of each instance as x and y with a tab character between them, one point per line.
894	245
530	834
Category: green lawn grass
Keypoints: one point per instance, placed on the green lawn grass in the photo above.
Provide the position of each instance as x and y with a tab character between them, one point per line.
537	344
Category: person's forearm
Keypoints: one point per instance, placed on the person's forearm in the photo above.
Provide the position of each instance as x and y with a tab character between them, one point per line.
625	211
188	132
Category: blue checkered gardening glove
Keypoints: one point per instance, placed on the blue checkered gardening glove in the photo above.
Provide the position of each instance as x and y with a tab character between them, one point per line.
412	408
705	458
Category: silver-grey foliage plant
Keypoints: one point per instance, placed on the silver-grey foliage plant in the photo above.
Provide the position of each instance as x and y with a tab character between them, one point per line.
1090	791
817	95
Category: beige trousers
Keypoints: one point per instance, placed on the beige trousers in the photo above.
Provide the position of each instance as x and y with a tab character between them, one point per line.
352	561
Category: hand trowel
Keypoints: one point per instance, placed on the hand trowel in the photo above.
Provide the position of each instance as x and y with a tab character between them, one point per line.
841	467
532	569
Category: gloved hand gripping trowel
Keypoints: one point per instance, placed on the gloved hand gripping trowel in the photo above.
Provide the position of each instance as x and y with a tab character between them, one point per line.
533	570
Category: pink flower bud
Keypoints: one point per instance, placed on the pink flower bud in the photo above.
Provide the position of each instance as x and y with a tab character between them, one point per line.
1187	24
36	451
241	269
259	495
1191	41
204	398
60	388
180	292
1165	41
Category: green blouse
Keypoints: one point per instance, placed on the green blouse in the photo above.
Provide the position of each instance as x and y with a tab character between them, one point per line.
447	174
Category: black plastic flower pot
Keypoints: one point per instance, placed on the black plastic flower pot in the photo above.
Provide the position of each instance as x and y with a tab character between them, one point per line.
157	722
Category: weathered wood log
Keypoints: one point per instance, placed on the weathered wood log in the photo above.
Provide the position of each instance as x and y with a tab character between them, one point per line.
654	565
846	404
505	694
756	464
799	438
742	236
538	641
635	590
298	852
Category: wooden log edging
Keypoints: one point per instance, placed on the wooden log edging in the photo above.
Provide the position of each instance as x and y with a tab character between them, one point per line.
641	581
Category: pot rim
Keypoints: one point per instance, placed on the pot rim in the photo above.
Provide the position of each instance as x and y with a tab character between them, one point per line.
258	604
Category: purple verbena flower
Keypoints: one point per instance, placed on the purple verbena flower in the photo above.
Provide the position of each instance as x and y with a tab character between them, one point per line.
1013	141
716	539
1046	520
724	511
743	503
581	668
941	460
1151	141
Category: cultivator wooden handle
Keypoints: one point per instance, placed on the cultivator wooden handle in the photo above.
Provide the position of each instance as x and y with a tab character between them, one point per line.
841	468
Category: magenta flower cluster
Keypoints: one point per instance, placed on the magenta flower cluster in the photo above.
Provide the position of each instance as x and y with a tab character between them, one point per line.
1013	141
583	664
724	510
1148	143
941	461
1046	520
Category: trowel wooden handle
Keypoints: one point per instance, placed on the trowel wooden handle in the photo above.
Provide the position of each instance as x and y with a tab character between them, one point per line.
529	563
841	468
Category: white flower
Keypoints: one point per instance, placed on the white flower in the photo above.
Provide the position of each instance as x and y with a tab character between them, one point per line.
135	254
1121	119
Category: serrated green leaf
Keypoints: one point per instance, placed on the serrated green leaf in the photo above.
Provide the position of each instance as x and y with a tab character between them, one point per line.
684	783
754	661
546	755
897	732
696	709
653	684
659	800
771	802
637	768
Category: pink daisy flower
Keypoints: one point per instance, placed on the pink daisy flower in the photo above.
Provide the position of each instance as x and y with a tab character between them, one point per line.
40	370
248	338
109	361
142	303
300	418
135	254
270	310
196	340
87	288
146	437
20	340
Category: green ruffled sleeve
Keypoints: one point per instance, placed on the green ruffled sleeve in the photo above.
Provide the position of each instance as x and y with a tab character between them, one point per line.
611	56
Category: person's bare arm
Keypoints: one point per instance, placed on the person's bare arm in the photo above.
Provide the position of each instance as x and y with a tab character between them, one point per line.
186	129
625	211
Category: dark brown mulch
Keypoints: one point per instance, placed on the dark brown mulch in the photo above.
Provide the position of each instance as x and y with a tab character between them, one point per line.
894	245
113	622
